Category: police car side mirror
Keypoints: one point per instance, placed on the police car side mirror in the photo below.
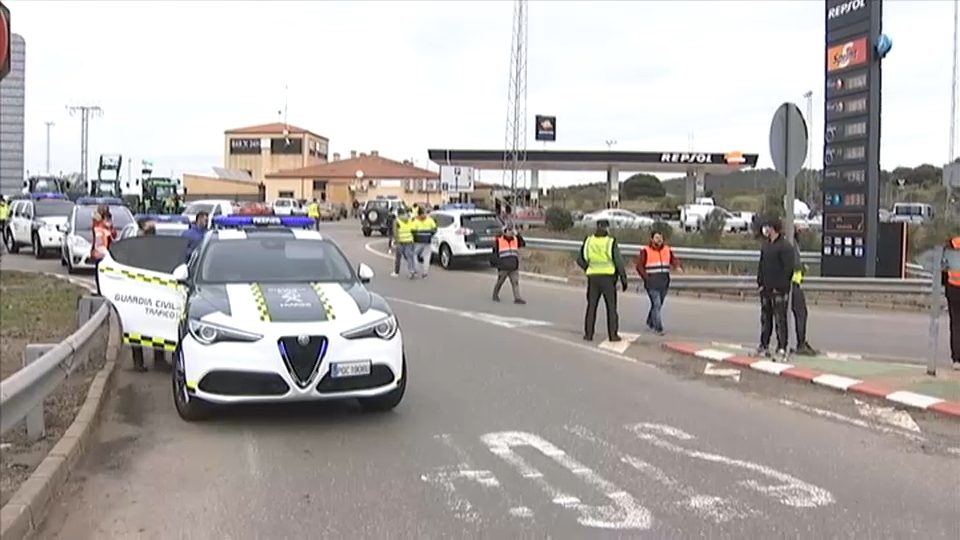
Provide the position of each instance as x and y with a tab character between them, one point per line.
180	274
365	273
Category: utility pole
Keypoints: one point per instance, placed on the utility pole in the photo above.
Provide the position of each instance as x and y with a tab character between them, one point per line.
951	155
807	190
49	125
86	113
515	139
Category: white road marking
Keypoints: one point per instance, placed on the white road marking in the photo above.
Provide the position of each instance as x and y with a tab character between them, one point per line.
521	512
445	478
790	492
852	421
714	354
712	370
624	514
490	318
887	415
716	509
619	347
252	453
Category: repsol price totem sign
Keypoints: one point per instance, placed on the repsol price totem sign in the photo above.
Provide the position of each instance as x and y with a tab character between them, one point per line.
851	138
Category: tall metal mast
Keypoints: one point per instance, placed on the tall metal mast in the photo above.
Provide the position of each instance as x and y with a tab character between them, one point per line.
953	86
86	113
515	140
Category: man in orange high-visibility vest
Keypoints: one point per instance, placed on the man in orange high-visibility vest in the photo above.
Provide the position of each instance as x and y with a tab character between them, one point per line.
951	280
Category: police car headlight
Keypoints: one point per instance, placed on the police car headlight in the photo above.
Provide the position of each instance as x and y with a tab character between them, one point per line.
385	328
208	333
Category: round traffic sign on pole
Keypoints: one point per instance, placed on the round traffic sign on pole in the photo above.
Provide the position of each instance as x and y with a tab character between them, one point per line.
5	41
788	149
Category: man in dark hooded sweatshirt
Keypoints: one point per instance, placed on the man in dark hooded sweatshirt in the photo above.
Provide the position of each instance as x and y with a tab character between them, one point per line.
774	273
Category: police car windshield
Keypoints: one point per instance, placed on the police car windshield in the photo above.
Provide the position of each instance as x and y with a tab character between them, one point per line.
83	220
274	260
51	208
481	222
193	209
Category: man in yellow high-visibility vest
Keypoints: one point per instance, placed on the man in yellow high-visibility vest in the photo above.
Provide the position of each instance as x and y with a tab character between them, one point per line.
403	235
313	212
601	261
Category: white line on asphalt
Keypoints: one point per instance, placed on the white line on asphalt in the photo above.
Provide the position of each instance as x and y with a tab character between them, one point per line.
709	507
444	479
852	421
791	491
620	347
625	513
712	370
887	415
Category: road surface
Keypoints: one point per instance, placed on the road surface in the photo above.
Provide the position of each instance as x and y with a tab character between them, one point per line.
512	428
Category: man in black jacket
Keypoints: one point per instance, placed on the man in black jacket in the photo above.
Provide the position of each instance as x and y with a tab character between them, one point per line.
774	274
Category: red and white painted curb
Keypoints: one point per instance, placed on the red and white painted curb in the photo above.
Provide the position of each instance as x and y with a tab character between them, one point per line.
837	382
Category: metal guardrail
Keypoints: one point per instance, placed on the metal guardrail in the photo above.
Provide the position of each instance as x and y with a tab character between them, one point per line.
697	254
23	393
912	287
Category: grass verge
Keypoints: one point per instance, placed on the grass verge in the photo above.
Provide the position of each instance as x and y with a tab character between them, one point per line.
40	309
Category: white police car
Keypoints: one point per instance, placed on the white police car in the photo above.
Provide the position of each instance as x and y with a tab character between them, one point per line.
38	220
76	247
464	234
264	311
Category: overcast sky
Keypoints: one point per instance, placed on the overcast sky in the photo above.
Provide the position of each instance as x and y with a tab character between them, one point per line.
401	77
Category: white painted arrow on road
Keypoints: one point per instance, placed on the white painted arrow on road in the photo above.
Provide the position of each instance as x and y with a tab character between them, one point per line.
888	415
727	373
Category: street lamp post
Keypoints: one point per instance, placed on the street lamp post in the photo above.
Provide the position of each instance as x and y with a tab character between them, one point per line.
808	178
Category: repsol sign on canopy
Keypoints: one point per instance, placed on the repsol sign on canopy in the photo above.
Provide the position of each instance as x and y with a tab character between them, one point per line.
685	158
846	12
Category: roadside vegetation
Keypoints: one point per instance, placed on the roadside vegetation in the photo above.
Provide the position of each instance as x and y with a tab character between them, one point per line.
39	309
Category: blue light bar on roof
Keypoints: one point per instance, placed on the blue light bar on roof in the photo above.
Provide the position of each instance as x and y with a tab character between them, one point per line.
163	218
45	195
458	206
263	221
99	200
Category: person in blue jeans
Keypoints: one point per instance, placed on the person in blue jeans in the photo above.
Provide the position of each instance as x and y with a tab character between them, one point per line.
654	264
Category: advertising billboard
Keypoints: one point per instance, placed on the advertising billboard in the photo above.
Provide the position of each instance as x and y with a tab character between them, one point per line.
546	128
851	138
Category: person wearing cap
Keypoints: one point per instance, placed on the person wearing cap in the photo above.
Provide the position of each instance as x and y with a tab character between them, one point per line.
506	258
774	274
951	280
600	260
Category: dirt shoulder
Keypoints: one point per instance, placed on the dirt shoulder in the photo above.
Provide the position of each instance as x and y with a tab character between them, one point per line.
35	309
40	309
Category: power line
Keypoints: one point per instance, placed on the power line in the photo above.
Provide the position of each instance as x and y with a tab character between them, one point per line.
86	113
515	139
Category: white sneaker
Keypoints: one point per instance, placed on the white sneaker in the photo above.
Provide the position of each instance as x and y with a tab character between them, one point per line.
394	274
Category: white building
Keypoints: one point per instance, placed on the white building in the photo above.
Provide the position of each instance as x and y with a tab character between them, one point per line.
12	94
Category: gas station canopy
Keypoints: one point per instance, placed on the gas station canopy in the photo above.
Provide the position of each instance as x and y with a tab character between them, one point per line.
599	160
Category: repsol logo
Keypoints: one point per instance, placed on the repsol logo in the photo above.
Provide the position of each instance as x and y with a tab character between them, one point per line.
685	158
845	8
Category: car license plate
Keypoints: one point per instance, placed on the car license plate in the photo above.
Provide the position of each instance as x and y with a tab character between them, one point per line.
350	369
486	239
